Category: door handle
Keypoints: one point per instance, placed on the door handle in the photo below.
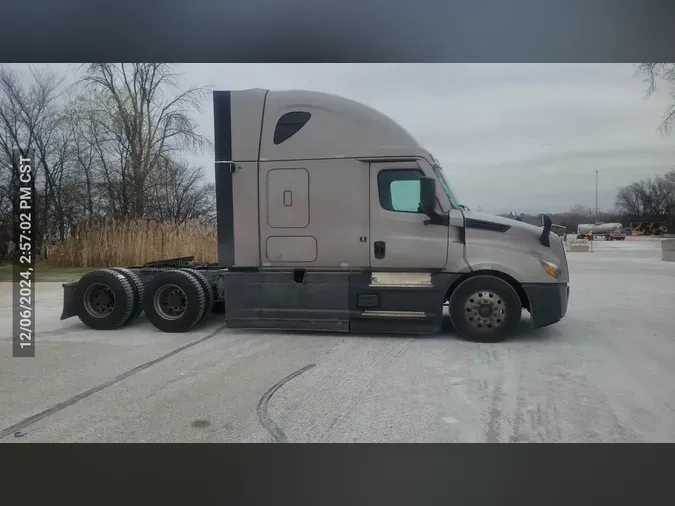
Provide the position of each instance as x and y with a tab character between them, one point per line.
379	249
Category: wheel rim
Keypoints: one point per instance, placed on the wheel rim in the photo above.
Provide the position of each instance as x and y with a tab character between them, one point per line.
485	311
99	300
170	302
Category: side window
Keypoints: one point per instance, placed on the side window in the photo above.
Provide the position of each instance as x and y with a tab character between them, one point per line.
399	190
289	124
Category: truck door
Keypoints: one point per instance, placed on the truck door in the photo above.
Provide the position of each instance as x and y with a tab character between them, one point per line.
398	237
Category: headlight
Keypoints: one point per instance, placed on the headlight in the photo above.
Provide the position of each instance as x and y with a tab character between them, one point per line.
551	269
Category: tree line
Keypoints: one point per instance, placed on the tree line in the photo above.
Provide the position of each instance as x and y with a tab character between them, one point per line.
111	145
650	200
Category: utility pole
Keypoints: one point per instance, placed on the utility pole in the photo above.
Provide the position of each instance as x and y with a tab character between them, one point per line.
597	195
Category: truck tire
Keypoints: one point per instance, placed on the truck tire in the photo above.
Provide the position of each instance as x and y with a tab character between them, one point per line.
175	301
208	291
105	299
485	308
138	289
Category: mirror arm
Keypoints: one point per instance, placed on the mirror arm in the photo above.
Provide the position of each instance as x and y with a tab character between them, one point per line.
436	218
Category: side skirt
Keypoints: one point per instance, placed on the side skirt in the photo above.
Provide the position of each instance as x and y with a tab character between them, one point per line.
287	300
337	301
398	303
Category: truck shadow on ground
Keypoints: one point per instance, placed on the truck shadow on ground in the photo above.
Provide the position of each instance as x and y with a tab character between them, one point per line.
524	333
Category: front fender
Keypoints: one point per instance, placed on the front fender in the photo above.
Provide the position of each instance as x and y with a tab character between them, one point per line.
485	266
521	264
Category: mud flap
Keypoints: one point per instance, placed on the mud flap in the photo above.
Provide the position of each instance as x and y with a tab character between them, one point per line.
70	300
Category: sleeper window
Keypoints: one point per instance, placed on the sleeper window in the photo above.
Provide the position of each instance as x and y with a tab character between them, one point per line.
289	124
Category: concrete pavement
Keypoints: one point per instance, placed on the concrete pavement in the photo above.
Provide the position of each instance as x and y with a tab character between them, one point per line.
605	373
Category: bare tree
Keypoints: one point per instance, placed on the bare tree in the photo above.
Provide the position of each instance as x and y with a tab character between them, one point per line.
99	160
629	200
83	157
660	194
653	73
29	123
650	199
670	177
139	117
179	193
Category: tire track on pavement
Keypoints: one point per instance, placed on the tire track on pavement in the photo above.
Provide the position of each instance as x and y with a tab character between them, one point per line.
270	426
383	364
14	429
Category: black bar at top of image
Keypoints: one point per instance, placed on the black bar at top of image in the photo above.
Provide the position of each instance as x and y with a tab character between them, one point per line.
489	31
22	189
342	474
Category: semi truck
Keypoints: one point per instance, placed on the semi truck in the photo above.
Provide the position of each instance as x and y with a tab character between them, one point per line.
333	217
610	231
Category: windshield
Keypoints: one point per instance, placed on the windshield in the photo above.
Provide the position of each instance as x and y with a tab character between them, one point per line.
446	187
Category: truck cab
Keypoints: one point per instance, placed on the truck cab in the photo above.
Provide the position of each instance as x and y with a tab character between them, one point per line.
332	216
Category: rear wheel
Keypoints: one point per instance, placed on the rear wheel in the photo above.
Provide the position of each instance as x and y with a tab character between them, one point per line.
485	308
138	289
105	299
175	301
208	290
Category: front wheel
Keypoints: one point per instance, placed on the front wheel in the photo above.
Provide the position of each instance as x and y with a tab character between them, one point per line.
485	308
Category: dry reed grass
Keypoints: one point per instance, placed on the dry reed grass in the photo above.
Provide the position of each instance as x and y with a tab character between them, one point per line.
114	243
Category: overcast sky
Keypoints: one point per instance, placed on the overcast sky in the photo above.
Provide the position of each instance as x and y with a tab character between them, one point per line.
522	137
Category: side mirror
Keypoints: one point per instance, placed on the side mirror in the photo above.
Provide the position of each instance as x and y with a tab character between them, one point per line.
547	223
428	194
